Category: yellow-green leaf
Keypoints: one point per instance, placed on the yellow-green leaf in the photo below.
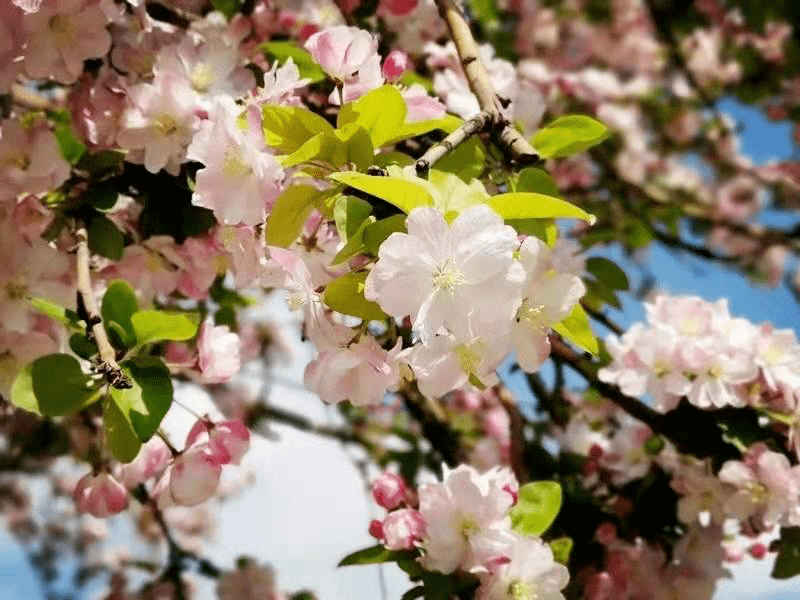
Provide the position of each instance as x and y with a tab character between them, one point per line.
577	330
381	112
287	128
569	135
289	214
402	193
528	205
346	295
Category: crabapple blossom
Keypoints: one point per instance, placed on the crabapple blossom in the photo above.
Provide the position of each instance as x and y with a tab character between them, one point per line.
358	370
159	123
527	571
218	353
548	297
228	441
100	495
193	477
151	461
461	277
466	518
402	529
350	56
390	490
394	65
61	35
239	180
30	159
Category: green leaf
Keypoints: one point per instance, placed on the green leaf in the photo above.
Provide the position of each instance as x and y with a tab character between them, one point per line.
544	229
286	51
72	148
437	586
63	315
372	556
105	239
122	439
537	507
787	563
349	213
381	112
53	385
118	306
227	7
577	330
351	145
289	214
101	161
158	326
561	548
415	592
376	233
402	193
145	403
355	244
528	205
287	128
467	160
531	179
448	124
607	272
346	295
81	346
102	196
569	135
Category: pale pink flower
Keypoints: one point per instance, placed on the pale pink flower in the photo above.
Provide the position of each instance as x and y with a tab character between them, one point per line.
348	369
466	518
100	495
12	40
96	104
460	276
527	571
390	490
194	476
149	267
30	159
239	180
420	105
17	350
218	350
61	35
350	56
159	123
151	461
228	441
548	297
403	529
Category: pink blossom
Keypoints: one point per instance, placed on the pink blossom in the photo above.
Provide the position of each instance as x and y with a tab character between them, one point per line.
420	105
228	441
466	518
61	35
150	462
395	65
389	490
218	350
30	159
402	529
100	495
194	476
399	7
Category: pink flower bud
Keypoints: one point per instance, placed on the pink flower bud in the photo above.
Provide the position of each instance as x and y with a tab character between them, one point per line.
218	348
376	529
227	440
151	461
758	551
606	533
194	477
395	65
389	490
402	528
100	495
400	7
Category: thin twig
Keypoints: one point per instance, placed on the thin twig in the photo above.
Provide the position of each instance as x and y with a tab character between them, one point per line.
436	152
88	310
27	98
506	136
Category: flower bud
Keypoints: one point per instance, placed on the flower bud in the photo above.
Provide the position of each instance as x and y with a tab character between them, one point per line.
758	551
376	529
218	350
400	7
100	495
389	490
402	528
151	461
395	64
227	441
195	476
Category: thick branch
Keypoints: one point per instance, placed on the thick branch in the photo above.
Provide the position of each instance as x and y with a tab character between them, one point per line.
87	309
506	136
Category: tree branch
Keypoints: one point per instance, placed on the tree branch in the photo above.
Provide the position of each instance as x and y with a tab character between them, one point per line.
87	310
506	136
436	152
